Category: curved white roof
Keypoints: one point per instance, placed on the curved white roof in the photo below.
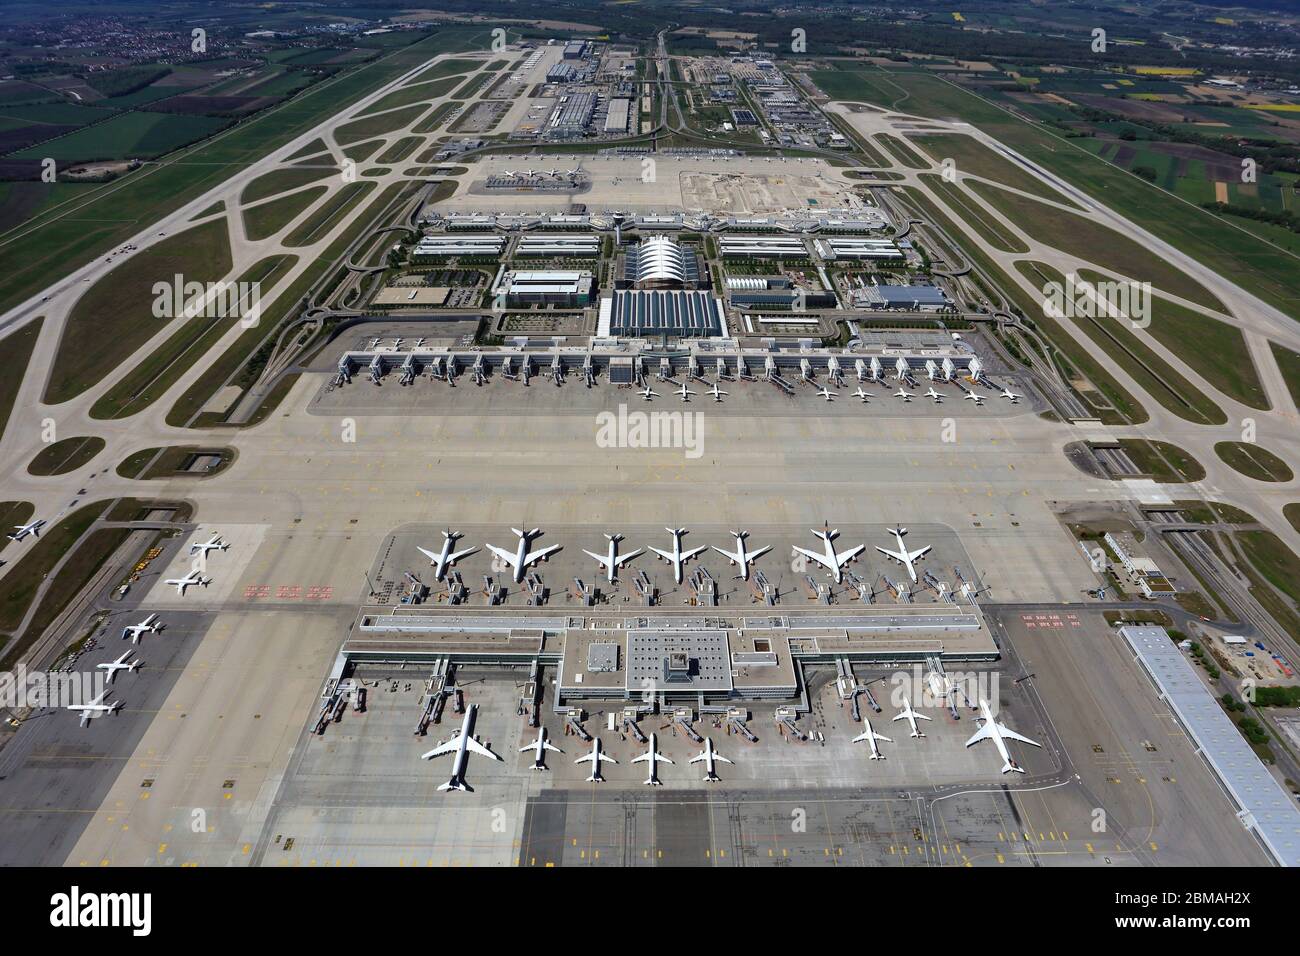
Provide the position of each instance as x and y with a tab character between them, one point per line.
659	259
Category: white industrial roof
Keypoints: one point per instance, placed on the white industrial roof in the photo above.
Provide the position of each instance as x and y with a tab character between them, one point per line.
1264	806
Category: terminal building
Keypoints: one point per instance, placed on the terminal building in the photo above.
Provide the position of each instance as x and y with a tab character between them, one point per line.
442	247
564	245
858	247
639	313
762	247
660	263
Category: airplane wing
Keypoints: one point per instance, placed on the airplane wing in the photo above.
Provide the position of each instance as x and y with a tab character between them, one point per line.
550	746
431	555
1012	735
538	555
666	555
871	734
641	758
849	554
896	555
721	759
457	555
687	555
729	555
600	559
763	550
700	756
475	747
507	556
984	733
916	554
819	558
626	557
589	758
443	748
85	717
661	758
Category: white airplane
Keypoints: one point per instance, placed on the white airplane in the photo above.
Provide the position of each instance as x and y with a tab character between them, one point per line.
902	555
212	544
677	557
96	708
653	755
194	577
148	626
826	393
911	716
973	397
860	394
870	736
904	394
716	392
742	557
445	558
931	393
461	744
594	758
120	664
649	393
23	530
611	561
522	557
684	393
999	734
711	757
509	173
1007	393
829	559
539	748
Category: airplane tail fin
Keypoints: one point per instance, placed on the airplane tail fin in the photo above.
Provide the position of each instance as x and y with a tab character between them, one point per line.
457	785
1012	767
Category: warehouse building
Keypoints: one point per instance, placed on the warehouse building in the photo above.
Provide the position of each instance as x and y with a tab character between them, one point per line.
792	299
571	116
906	298
637	313
618	115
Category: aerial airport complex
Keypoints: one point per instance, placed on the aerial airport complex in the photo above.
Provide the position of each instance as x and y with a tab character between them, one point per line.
646	448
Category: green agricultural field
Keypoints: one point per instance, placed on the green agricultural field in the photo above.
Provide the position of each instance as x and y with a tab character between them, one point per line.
282	180
323	219
151	378
116	313
59	240
64	456
265	220
133	135
1214	349
1253	461
361	129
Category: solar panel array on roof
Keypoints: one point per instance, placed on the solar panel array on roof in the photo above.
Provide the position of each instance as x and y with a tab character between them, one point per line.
651	312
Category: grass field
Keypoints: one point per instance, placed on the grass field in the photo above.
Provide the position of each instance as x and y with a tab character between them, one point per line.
901	151
450	67
1270	273
1095	243
1214	349
407	95
133	135
116	313
267	219
1162	461
1129	352
1288	362
282	180
1253	461
69	454
401	149
148	380
1292	513
15	353
362	129
972	157
63	237
150	464
322	220
989	229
